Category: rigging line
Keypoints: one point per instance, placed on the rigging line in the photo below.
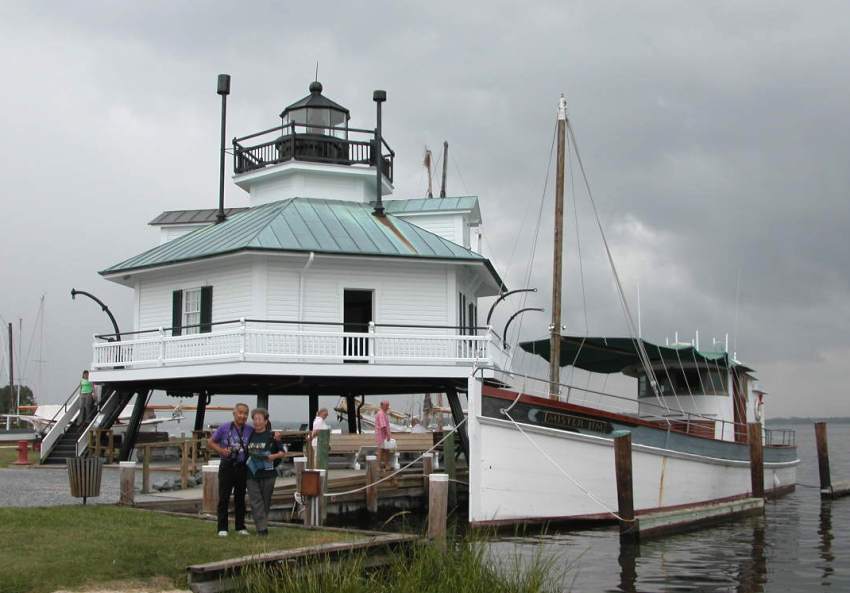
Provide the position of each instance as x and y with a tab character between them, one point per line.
579	485
534	242
528	211
459	174
642	354
670	378
401	469
32	338
687	383
699	374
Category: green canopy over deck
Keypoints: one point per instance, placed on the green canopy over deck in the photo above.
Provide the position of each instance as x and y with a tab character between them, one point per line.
614	355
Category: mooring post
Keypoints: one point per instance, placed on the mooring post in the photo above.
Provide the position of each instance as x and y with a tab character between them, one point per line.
300	464
823	459
451	467
438	504
184	464
323	445
427	469
372	473
209	504
321	500
625	493
756	459
146	470
128	483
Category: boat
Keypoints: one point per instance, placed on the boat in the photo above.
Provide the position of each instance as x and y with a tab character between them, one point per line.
542	450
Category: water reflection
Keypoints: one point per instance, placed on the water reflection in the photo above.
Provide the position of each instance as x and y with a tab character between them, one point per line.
629	553
826	537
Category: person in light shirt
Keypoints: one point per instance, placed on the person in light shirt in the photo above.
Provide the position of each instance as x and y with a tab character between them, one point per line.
383	434
416	426
318	424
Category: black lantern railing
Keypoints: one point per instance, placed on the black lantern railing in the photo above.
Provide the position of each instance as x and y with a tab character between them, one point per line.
306	142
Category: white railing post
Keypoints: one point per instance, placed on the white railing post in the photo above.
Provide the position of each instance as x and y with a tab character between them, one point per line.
244	337
371	342
161	347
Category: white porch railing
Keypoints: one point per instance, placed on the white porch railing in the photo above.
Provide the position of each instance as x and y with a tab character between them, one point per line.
275	342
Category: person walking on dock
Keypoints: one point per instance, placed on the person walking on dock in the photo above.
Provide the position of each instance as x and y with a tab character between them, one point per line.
383	436
86	399
263	455
230	441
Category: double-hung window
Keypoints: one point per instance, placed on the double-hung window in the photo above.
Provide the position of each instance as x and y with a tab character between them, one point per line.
191	311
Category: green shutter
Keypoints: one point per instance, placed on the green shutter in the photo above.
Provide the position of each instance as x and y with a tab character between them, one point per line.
176	312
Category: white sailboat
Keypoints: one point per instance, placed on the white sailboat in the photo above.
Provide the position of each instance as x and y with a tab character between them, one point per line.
542	450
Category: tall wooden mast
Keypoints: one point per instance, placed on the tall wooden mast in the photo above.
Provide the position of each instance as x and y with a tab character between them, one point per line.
557	260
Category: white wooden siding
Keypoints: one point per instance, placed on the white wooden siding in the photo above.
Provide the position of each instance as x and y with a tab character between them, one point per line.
448	226
267	287
231	282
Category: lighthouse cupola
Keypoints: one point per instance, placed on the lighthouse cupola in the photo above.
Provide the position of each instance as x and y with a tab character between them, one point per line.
314	153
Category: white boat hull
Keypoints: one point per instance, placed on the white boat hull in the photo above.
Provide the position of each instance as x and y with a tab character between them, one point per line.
512	481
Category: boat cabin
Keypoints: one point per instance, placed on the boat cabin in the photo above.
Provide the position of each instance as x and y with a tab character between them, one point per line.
708	393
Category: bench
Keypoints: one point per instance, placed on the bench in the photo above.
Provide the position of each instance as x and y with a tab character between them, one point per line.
360	445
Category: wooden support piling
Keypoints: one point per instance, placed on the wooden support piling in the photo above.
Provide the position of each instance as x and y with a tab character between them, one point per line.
209	504
184	464
323	501
427	469
323	446
451	467
110	456
372	474
756	460
128	483
823	459
146	470
299	464
438	504
625	494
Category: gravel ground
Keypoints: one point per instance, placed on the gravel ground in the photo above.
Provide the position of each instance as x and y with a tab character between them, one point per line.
38	487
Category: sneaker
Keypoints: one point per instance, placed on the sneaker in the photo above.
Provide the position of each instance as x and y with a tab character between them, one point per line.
243	532
222	534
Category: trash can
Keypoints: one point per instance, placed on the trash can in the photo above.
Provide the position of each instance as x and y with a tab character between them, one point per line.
84	475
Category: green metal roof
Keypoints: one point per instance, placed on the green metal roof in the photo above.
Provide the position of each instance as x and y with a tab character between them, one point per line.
430	204
303	225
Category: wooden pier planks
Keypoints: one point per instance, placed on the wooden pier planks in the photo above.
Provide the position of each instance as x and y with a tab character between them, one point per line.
663	522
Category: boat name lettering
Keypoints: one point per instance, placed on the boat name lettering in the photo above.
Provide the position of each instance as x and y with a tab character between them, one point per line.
568	421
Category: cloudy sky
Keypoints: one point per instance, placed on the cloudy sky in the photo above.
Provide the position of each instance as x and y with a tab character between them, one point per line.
715	135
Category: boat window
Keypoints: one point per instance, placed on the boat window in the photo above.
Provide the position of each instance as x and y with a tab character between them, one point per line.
684	382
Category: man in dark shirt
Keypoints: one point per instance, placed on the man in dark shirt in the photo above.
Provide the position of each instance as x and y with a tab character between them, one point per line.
230	441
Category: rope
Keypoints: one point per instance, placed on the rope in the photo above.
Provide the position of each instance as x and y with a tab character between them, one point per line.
398	471
578	484
623	303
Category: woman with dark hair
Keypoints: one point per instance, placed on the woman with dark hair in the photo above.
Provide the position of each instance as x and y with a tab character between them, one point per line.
263	451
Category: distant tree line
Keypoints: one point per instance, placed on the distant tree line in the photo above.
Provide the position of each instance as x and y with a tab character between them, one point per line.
809	419
8	404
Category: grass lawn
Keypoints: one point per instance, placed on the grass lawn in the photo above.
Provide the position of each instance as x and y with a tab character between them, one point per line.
10	454
74	546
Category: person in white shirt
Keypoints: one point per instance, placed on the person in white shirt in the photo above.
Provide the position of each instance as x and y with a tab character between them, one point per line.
318	424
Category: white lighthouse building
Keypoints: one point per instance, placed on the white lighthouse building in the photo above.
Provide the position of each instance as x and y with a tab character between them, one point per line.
324	285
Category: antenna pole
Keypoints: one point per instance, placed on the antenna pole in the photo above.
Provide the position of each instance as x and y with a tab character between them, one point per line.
555	337
445	163
223	90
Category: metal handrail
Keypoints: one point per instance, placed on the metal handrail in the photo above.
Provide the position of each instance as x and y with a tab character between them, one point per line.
65	405
286	322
